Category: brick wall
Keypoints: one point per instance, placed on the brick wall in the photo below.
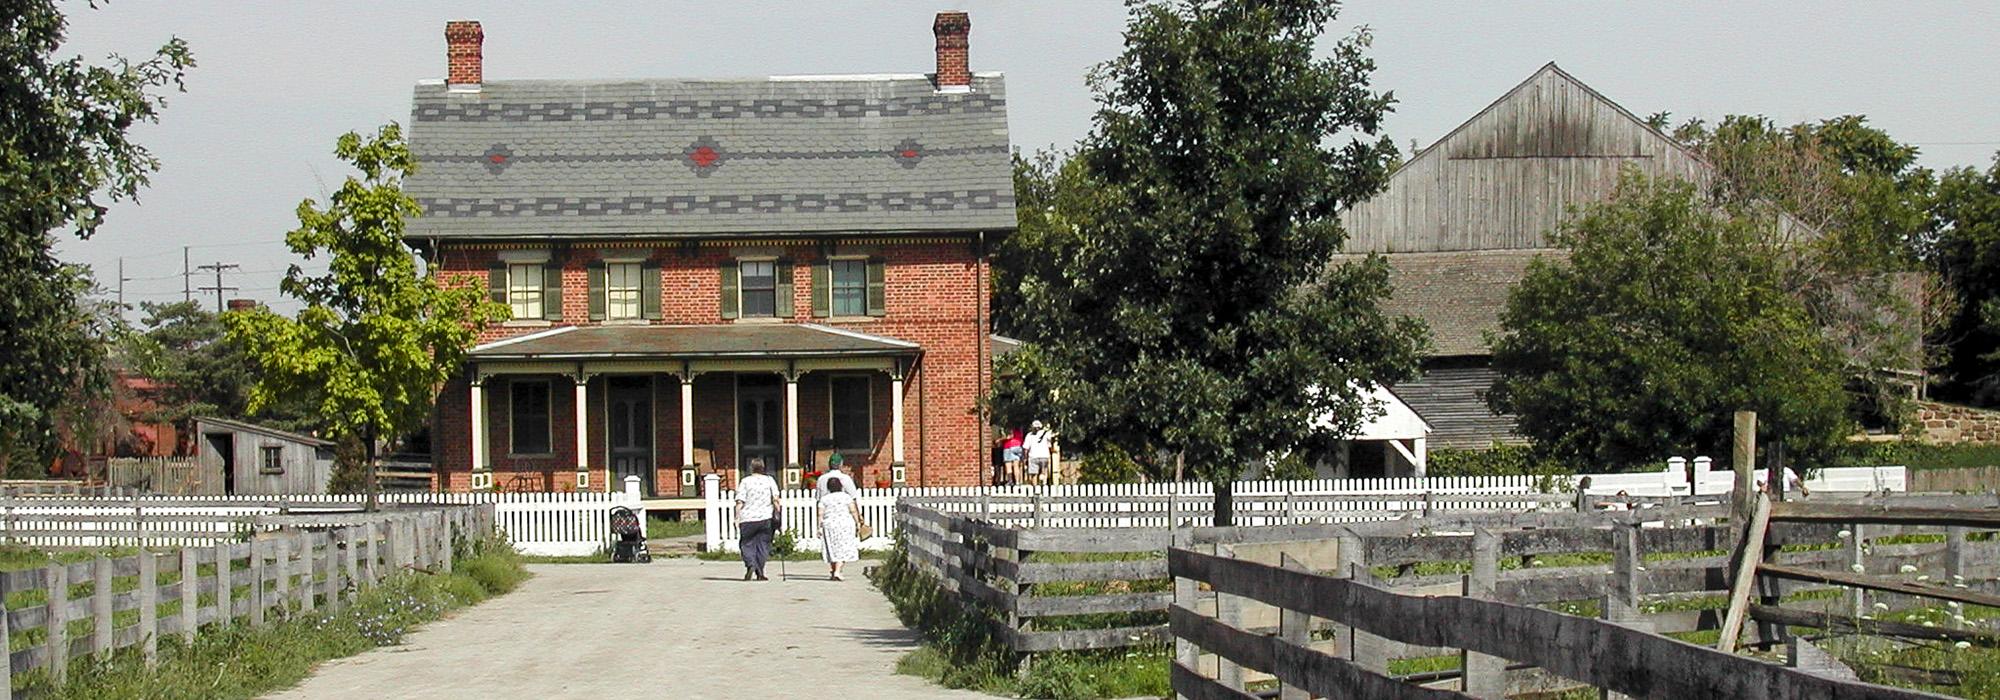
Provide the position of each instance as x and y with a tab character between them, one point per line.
935	296
1949	424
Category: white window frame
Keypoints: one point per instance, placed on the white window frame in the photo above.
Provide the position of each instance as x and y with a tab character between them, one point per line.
833	286
867	408
743	288
624	291
524	290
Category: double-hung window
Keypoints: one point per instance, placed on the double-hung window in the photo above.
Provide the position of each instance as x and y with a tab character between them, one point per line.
528	417
849	287
850	409
760	288
623	283
524	290
274	460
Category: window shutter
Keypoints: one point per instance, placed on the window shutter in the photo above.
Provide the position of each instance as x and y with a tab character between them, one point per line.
878	296
822	288
730	299
496	282
597	286
552	292
649	290
786	304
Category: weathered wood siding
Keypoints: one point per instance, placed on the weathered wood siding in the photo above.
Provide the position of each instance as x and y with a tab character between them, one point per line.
1505	178
302	472
1452	398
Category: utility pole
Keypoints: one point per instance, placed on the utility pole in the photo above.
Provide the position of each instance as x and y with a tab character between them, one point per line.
187	277
122	279
218	269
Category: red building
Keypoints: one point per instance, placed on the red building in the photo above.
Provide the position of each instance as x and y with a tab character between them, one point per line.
706	272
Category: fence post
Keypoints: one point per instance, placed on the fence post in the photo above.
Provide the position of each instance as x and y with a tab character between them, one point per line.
138	521
309	563
711	510
1293	626
369	574
6	660
1368	651
281	548
56	622
190	594
350	553
330	586
149	607
1041	511
449	543
1187	595
1743	461
100	606
225	589
1228	611
1621	601
1954	554
257	599
1485	676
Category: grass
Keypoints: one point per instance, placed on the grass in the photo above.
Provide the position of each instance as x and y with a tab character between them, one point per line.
600	557
662	528
960	651
243	662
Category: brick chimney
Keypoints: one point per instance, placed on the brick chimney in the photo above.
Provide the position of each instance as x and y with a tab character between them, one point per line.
463	58
242	304
954	72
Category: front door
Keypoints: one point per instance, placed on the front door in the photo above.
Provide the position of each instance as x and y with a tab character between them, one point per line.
628	410
759	424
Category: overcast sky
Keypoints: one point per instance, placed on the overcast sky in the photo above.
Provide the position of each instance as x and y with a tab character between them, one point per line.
278	80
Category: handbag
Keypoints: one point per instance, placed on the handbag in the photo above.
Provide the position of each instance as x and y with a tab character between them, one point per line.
861	529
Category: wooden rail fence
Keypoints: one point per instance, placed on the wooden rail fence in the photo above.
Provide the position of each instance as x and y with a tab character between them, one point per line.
308	562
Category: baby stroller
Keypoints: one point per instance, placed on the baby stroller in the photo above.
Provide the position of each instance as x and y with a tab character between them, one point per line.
630	534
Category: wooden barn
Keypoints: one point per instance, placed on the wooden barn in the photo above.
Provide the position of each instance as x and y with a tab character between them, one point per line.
243	458
1461	220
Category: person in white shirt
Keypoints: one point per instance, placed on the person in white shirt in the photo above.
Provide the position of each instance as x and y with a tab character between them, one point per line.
757	512
1038	443
835	473
1792	482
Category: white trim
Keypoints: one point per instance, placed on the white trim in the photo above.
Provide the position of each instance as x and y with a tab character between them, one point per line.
538	335
954	89
858	335
526	257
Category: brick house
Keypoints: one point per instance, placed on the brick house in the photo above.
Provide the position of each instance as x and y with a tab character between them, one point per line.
703	272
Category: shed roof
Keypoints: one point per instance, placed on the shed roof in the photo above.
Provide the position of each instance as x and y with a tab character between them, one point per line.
756	156
259	429
692	342
1458	294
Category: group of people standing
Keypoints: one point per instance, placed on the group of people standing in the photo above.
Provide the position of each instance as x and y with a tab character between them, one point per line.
759	516
1025	455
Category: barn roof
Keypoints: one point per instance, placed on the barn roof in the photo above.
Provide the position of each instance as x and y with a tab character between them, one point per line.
1458	294
758	156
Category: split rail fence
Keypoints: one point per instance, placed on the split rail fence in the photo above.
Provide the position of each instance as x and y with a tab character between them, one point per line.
1662	568
309	561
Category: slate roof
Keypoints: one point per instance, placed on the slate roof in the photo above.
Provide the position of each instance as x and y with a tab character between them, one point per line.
758	156
1460	294
694	342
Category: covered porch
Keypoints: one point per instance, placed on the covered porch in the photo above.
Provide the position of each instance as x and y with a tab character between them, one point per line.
583	408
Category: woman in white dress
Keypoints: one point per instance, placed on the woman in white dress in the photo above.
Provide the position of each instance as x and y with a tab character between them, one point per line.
839	516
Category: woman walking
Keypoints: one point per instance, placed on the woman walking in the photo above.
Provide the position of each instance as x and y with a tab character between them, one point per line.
839	518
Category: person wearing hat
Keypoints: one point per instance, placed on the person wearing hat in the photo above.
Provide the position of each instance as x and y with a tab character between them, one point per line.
835	473
1037	445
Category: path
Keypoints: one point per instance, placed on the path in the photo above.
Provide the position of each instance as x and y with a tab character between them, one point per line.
679	628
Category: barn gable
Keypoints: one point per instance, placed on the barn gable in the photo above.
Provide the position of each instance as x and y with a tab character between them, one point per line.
1504	178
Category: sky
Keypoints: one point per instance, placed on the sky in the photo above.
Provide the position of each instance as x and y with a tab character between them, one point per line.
278	80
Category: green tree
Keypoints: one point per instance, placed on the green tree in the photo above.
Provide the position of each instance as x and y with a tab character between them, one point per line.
64	154
377	337
1964	249
185	348
1668	315
1193	306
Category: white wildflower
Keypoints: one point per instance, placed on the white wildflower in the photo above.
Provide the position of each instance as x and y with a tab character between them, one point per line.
1859	569
1925	577
1882	606
1962	645
1907	569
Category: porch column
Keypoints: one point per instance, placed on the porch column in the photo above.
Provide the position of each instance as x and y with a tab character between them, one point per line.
791	419
582	425
687	419
896	416
478	423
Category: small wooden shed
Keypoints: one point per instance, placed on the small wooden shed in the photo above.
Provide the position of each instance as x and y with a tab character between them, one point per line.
253	459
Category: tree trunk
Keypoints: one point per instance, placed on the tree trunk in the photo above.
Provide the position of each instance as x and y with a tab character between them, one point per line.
1225	503
368	470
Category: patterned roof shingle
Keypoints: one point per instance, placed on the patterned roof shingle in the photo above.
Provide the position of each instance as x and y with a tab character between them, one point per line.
546	158
1459	294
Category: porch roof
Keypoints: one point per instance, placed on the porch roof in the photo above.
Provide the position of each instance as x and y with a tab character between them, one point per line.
775	340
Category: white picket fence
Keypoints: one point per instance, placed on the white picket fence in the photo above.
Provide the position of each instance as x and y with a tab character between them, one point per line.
546	524
878	506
